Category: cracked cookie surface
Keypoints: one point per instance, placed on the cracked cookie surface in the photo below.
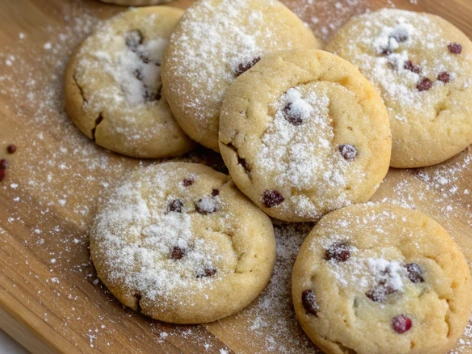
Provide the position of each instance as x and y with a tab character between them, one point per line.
303	133
113	89
422	66
376	279
179	243
215	42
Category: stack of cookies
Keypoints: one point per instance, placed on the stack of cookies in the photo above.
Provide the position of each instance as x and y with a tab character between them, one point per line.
307	135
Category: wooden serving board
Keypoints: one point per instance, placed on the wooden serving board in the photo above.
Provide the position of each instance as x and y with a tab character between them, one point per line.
50	298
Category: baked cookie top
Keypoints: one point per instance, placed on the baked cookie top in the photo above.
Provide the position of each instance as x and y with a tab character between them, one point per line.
375	279
178	242
216	41
303	133
113	86
422	66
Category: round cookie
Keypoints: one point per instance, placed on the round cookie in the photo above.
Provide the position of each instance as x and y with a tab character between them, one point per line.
216	41
179	243
303	133
422	66
376	279
113	87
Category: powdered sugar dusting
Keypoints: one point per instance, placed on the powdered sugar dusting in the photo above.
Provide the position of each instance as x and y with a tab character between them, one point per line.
298	157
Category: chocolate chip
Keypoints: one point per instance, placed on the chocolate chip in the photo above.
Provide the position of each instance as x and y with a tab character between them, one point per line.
243	67
2	174
401	324
215	192
339	251
292	117
188	182
138	74
175	205
144	58
400	37
412	67
207	272
150	95
3	164
11	149
349	152
133	40
309	302
379	293
272	198
206	206
415	274
424	85
387	51
177	253
444	77
455	48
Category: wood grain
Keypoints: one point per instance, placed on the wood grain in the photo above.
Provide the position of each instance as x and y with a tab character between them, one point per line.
50	298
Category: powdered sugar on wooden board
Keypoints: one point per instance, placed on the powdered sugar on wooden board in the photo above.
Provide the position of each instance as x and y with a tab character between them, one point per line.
57	175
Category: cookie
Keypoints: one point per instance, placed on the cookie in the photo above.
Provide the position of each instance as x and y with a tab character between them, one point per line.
303	133
113	87
216	42
135	2
422	66
376	279
179	243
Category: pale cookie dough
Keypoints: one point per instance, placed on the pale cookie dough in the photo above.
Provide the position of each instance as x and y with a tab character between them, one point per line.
303	133
376	279
113	86
422	66
216	41
179	243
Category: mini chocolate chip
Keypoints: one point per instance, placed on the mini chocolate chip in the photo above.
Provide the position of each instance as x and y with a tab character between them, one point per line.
175	205
455	48
11	149
400	38
177	253
272	198
339	251
144	58
424	85
401	324
151	96
309	302
379	294
444	77
138	74
387	51
294	118
412	67
243	67
215	192
133	40
2	174
188	182
415	274
349	152
207	272
3	164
